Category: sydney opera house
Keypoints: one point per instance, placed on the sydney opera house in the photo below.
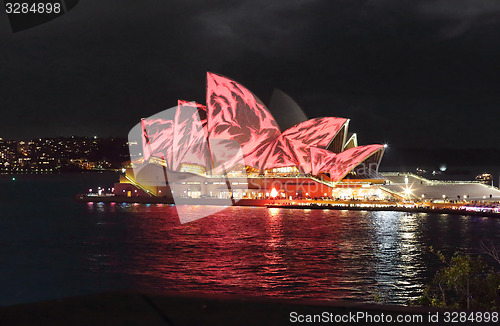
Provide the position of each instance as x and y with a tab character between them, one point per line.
235	147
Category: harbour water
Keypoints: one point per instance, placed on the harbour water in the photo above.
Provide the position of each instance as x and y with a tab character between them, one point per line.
53	247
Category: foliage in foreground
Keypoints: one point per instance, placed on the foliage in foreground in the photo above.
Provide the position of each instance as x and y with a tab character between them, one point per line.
464	282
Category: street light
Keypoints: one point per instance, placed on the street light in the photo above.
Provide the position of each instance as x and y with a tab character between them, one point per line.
408	191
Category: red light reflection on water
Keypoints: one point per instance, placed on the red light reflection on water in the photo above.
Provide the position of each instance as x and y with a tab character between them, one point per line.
241	250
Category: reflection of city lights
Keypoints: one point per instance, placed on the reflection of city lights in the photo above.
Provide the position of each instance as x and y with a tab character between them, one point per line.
273	212
274	193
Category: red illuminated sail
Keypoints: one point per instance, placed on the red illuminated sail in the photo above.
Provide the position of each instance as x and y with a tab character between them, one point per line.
283	153
238	116
351	158
157	139
316	132
235	130
322	160
190	144
293	146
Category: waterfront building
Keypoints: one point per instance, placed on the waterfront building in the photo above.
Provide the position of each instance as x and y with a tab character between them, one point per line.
233	146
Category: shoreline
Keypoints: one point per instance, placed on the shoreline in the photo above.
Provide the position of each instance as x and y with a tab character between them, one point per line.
297	204
393	209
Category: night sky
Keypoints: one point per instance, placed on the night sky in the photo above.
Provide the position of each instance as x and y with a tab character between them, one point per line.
411	73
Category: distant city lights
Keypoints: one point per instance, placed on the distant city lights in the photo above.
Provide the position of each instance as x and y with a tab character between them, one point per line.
60	154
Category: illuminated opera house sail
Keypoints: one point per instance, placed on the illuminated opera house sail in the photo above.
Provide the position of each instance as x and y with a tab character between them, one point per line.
235	135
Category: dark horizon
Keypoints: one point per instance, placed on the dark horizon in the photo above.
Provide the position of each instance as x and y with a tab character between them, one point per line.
410	74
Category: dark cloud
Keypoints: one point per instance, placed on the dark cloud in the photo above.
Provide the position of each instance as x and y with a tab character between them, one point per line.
413	73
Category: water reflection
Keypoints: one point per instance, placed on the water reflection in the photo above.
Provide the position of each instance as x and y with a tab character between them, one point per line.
397	254
321	254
